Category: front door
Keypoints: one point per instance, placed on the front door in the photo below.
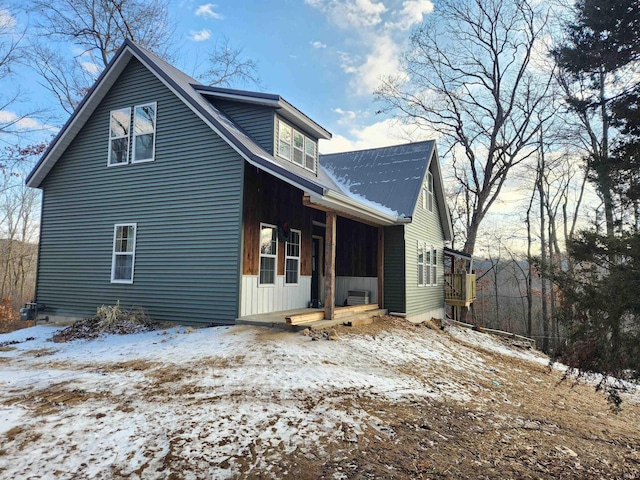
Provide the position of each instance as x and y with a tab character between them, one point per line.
317	267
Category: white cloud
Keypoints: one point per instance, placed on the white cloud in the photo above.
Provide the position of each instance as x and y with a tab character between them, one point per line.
318	44
9	118
413	12
346	114
381	62
380	134
91	67
207	10
7	21
351	13
200	36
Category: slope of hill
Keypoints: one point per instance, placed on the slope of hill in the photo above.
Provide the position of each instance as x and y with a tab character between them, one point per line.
388	400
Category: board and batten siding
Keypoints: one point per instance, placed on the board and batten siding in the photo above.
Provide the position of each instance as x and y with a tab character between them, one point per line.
423	303
394	269
256	120
187	205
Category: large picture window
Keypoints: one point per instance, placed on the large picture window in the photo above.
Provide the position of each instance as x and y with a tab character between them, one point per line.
119	126
144	132
124	251
296	147
292	259
268	254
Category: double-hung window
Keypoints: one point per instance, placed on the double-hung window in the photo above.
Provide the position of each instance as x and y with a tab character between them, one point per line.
142	136
268	254
144	132
295	146
119	127
292	259
285	133
124	253
428	193
427	265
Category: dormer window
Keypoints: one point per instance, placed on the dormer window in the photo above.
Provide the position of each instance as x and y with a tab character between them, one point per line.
294	146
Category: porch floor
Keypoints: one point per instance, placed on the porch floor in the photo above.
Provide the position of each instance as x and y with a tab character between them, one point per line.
278	319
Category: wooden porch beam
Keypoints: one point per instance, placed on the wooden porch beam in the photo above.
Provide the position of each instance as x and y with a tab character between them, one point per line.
306	201
380	267
330	266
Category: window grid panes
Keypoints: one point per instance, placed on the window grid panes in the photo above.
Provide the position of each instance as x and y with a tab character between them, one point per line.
296	147
430	192
124	245
292	260
268	254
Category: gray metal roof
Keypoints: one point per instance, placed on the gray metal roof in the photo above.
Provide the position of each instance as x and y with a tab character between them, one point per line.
389	176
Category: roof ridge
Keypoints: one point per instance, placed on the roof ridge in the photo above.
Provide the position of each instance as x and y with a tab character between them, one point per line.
388	147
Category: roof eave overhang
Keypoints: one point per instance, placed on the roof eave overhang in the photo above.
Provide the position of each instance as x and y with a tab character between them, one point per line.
286	110
338	202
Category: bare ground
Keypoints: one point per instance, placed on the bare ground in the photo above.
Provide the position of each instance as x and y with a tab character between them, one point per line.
525	423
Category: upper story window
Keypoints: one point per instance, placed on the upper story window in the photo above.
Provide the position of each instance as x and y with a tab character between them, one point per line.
296	147
143	134
427	193
119	136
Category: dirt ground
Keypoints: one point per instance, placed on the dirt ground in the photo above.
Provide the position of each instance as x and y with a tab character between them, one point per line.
544	427
523	424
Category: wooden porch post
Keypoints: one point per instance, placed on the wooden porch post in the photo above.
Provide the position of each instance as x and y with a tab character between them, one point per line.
330	266
380	267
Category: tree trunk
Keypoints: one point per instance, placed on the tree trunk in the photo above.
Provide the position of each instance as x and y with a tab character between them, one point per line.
543	258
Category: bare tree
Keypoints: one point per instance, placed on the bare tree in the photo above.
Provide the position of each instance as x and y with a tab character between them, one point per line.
96	28
228	66
468	75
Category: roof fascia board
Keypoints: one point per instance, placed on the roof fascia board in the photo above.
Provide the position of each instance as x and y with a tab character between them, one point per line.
337	201
269	102
445	214
75	123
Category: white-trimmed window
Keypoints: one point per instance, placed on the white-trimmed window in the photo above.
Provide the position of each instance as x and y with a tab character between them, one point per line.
285	134
427	265
144	132
268	254
124	252
428	193
292	259
421	263
296	147
119	127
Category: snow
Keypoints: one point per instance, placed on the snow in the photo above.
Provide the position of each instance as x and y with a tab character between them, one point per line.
346	186
149	404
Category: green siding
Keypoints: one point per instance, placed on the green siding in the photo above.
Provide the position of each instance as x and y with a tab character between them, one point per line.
256	120
187	205
425	226
394	269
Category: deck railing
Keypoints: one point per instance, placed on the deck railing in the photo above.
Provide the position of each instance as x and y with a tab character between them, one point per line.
460	286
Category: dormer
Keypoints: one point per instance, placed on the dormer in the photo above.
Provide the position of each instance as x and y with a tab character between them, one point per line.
277	126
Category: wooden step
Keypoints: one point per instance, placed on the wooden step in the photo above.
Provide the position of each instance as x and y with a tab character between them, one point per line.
365	318
340	312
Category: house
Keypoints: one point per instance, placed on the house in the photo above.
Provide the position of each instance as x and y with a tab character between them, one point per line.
206	205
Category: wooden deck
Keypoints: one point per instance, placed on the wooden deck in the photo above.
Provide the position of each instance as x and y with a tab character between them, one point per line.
460	289
312	317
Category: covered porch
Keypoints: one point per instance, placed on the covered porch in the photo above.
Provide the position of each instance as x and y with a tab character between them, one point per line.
303	258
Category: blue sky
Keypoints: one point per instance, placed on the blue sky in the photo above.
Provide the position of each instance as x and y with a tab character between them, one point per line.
324	56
